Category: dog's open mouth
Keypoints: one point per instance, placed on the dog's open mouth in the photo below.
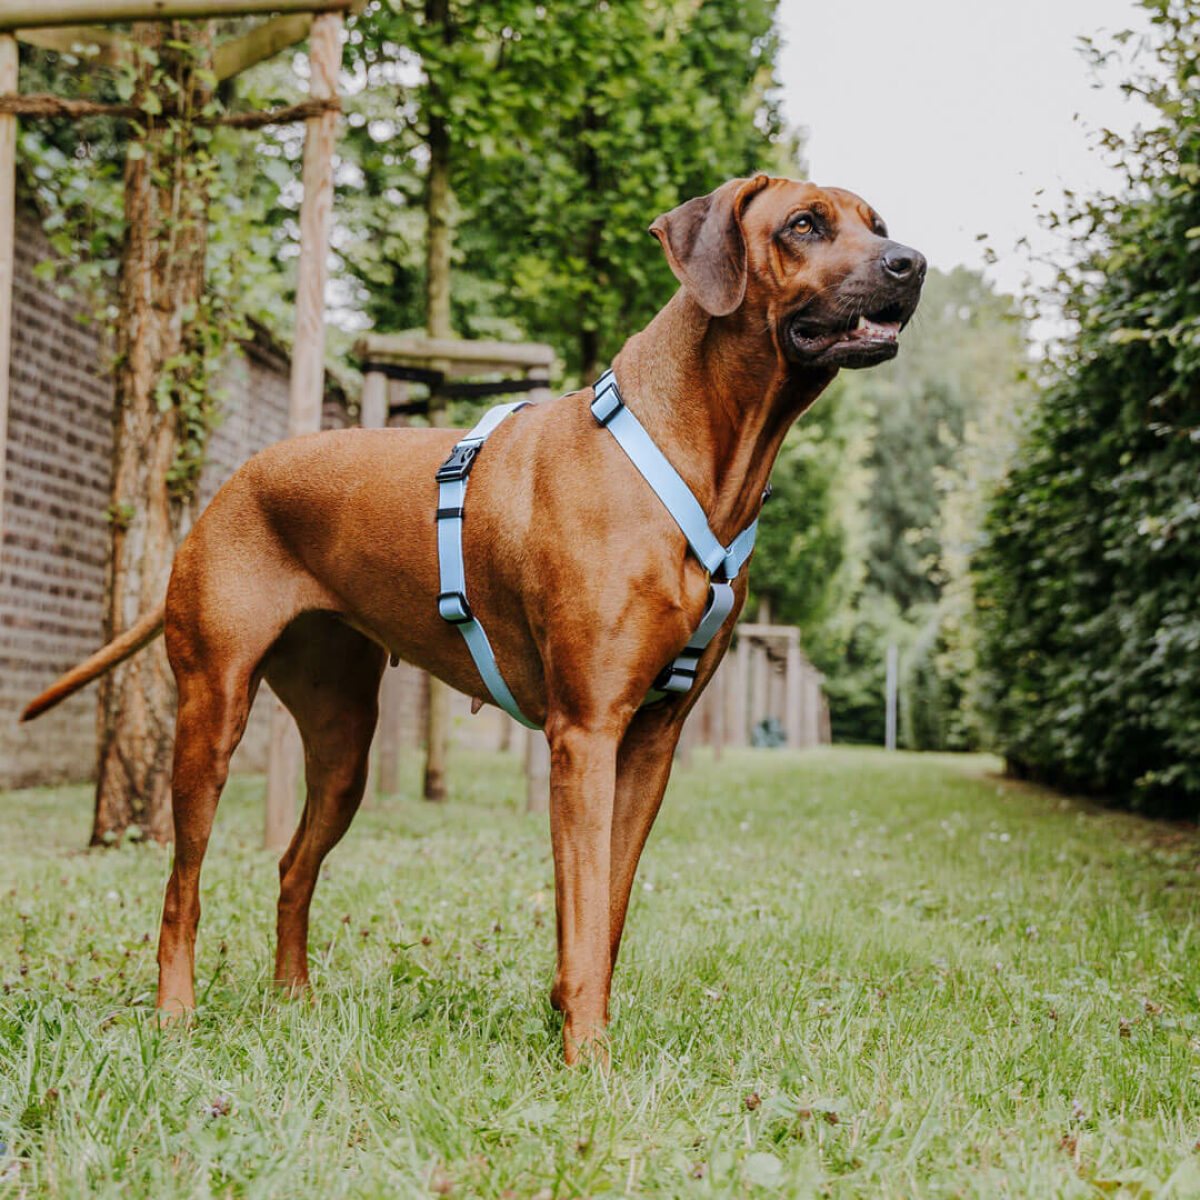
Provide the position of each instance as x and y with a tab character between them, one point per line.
862	341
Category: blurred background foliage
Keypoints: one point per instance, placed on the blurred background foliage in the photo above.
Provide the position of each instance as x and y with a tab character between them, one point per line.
1028	536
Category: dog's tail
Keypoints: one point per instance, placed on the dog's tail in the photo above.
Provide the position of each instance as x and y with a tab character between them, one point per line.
142	631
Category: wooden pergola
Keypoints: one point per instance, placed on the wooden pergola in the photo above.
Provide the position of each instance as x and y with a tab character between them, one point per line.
765	674
71	24
390	362
67	25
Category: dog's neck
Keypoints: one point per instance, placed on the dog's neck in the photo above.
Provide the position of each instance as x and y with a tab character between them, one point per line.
718	414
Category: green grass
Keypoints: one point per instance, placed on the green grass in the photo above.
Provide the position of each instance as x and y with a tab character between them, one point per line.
845	974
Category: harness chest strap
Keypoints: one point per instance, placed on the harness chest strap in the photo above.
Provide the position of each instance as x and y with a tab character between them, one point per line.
611	413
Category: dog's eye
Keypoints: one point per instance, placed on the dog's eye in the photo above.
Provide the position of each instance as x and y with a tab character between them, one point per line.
802	224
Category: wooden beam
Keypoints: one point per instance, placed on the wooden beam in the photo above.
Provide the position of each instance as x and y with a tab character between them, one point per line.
8	213
111	49
307	390
264	41
783	633
20	14
414	349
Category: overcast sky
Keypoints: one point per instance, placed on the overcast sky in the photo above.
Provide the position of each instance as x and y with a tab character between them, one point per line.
949	115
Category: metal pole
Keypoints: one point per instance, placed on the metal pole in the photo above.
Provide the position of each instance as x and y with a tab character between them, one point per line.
893	660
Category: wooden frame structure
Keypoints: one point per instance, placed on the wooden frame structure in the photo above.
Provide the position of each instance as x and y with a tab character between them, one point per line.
452	358
64	25
764	674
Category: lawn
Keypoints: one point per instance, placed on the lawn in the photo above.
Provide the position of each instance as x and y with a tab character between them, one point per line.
845	974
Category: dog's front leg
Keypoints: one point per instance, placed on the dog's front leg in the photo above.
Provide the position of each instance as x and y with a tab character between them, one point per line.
582	780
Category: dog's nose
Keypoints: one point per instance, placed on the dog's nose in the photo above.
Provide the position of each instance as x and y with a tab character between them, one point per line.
903	263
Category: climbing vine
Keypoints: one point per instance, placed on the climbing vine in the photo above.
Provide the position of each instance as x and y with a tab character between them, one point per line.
77	171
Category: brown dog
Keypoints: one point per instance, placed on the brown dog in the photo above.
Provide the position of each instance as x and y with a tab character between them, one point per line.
318	558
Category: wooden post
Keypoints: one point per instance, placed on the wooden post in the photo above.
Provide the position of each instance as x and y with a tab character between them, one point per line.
685	747
373	406
716	688
372	414
8	209
760	698
537	749
397	394
308	364
735	694
793	682
21	14
537	772
508	731
539	395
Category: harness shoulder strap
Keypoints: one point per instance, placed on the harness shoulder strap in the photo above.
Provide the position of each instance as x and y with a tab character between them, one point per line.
612	413
678	499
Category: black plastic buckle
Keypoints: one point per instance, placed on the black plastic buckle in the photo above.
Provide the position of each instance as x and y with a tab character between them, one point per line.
453	607
458	465
674	678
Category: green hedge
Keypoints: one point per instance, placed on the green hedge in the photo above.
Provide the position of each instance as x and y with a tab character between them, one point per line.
1089	582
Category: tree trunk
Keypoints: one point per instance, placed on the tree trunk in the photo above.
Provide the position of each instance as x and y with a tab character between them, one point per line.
161	285
589	356
589	335
437	298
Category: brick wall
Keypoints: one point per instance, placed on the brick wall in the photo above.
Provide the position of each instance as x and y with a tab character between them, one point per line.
56	485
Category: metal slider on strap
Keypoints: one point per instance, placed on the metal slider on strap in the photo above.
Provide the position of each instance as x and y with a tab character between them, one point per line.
453	607
674	679
608	400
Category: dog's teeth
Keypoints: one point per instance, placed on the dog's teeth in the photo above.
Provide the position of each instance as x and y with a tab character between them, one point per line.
862	323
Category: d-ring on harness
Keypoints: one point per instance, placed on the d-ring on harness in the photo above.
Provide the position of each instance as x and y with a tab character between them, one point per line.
721	562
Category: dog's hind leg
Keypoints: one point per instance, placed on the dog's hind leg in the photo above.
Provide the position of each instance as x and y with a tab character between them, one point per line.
328	676
211	719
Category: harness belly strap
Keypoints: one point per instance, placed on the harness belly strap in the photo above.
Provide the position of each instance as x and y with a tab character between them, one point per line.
452	602
718	560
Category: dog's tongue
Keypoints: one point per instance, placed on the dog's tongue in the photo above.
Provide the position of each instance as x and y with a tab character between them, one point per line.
884	330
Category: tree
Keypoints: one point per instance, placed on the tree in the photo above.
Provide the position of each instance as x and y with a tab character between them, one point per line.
625	110
570	128
803	560
161	413
1087	580
129	212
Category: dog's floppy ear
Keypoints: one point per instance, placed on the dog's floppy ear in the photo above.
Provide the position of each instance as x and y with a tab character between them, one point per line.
704	244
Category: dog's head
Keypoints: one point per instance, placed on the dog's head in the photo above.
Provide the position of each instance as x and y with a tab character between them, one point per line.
816	263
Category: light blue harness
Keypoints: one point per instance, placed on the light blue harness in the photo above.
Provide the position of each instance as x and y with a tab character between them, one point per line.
721	562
